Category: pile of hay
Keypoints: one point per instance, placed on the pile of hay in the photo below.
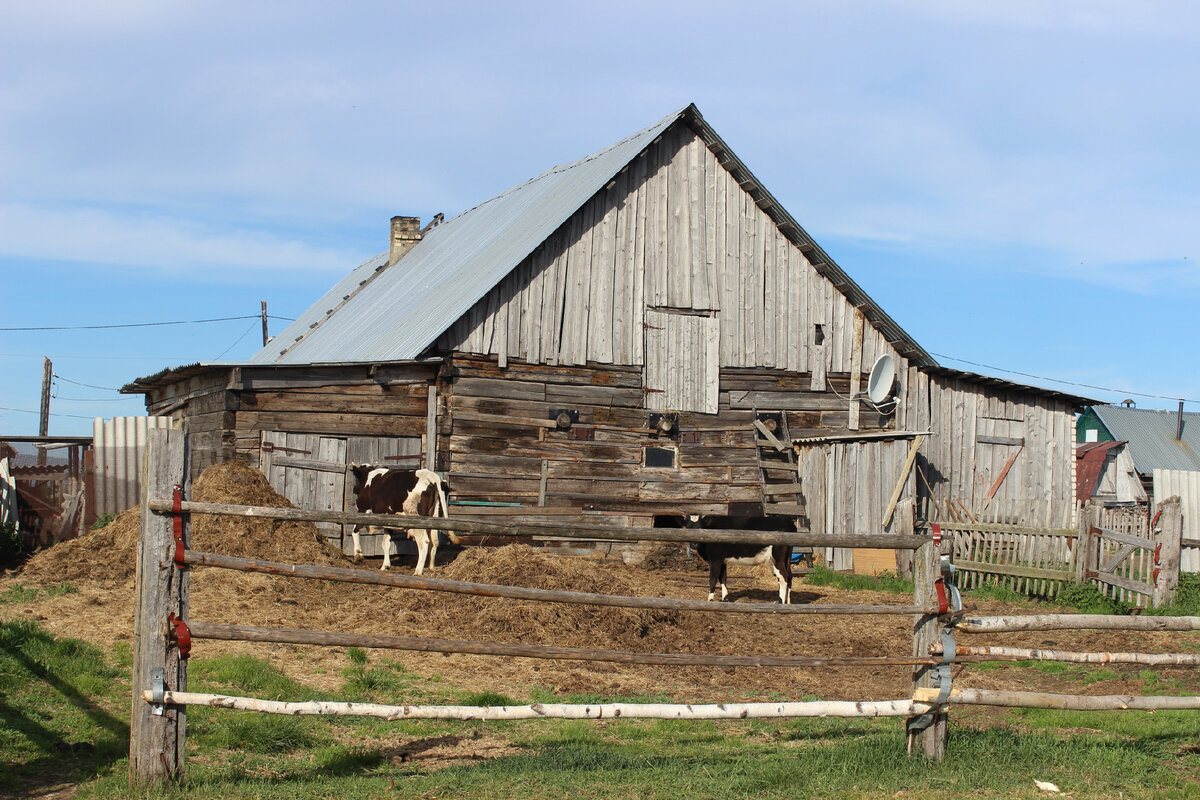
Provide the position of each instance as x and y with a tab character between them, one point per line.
107	555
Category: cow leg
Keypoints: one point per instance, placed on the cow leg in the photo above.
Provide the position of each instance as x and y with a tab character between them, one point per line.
433	537
388	546
422	539
714	572
357	543
724	579
782	567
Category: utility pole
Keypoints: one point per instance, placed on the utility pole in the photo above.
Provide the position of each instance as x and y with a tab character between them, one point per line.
264	319
44	423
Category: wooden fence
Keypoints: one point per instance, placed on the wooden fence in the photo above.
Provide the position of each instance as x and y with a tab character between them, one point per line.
1115	549
164	632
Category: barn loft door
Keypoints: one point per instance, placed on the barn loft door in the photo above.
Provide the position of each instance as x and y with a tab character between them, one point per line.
682	362
310	471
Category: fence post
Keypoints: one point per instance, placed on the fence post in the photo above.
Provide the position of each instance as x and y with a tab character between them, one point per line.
156	732
926	632
1085	548
1167	552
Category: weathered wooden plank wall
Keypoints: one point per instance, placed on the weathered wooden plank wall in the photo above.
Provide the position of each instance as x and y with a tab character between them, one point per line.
994	455
500	433
226	412
674	230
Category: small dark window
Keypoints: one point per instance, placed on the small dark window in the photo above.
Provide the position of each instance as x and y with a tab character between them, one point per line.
660	457
818	334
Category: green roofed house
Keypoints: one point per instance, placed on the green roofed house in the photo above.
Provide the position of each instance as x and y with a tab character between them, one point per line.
641	333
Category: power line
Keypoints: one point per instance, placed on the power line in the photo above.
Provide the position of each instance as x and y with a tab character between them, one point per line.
27	411
1068	383
141	324
239	339
88	385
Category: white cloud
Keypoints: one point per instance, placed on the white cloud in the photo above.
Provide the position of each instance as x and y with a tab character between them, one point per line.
159	244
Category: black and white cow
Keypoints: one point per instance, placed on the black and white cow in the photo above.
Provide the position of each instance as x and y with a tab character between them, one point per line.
380	490
721	554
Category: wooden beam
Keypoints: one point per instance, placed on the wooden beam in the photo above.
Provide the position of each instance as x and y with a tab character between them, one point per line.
157	740
571	530
896	492
1000	478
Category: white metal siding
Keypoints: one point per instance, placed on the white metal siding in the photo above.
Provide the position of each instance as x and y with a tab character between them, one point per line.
118	444
1172	482
8	494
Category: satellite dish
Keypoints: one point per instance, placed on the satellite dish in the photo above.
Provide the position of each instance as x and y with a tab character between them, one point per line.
883	375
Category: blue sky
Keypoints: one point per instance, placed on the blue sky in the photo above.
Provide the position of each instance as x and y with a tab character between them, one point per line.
1016	183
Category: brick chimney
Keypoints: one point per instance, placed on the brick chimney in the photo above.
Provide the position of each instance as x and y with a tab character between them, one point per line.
406	232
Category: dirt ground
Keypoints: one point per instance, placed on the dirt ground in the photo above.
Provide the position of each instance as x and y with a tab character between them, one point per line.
101	566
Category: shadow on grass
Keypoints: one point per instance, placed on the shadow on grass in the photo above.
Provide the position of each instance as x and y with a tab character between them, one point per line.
63	760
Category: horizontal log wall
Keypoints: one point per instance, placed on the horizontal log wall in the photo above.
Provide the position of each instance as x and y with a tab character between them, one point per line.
226	412
501	433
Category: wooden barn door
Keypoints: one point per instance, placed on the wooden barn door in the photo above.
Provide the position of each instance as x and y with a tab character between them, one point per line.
682	361
311	470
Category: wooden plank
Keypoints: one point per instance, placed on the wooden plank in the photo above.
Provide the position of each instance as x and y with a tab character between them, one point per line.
769	436
1137	587
856	368
992	568
902	479
332	424
1017	441
1124	538
503	419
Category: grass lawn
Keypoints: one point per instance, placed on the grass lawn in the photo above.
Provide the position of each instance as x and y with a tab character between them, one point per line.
64	708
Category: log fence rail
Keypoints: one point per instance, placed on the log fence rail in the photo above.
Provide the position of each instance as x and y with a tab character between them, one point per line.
163	632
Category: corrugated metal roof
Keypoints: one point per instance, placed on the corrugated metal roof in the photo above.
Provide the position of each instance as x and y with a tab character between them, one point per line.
409	304
379	313
1077	401
1151	436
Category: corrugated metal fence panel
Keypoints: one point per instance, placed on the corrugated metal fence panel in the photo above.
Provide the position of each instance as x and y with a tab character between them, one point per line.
8	494
1171	482
118	444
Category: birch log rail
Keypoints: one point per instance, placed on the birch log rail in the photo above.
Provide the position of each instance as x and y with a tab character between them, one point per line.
1066	622
1069	702
826	708
964	653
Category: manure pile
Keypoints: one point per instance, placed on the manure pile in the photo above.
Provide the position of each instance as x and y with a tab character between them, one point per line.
107	555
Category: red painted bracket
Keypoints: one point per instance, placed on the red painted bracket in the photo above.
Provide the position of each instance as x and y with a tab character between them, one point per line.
937	534
943	599
182	634
177	511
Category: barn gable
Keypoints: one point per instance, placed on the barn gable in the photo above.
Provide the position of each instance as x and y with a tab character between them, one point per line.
560	269
674	232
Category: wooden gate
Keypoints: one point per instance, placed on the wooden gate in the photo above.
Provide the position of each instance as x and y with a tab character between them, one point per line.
1130	557
310	470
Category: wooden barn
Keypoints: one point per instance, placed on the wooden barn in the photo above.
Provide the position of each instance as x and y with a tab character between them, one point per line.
640	333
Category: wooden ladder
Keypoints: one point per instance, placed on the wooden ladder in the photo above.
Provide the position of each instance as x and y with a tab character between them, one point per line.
776	465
